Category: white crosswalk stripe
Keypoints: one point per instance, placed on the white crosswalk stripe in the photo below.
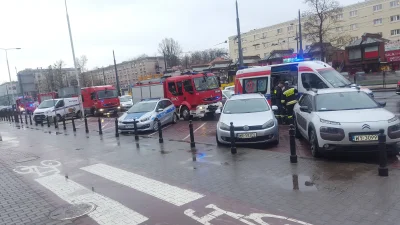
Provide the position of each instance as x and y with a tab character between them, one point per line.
160	190
108	211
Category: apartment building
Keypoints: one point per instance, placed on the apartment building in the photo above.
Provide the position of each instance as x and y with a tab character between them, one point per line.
8	90
370	16
129	72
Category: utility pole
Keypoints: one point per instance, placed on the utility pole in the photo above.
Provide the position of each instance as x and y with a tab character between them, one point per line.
116	76
239	37
300	39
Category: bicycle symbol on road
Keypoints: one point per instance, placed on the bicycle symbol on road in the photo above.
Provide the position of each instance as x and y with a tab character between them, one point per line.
48	167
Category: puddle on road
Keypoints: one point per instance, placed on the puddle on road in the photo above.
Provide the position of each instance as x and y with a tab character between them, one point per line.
297	183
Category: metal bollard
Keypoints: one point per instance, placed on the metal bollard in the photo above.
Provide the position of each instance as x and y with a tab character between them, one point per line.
48	121
73	125
86	125
160	137
233	144
383	169
20	118
116	128
191	133
55	122
64	125
293	155
26	118
30	119
136	131
41	123
100	128
12	118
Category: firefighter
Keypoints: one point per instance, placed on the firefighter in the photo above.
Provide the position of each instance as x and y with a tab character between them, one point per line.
277	100
289	100
286	86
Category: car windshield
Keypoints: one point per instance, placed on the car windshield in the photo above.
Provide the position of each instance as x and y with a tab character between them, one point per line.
47	104
246	106
228	94
142	107
334	78
125	99
206	83
107	94
345	101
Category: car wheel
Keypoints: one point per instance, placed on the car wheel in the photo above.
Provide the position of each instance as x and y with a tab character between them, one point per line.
174	118
296	128
155	125
314	147
185	113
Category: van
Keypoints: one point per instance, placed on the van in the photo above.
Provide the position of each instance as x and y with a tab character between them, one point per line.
61	108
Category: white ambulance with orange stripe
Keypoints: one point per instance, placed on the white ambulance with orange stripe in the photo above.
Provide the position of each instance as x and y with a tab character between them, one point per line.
304	75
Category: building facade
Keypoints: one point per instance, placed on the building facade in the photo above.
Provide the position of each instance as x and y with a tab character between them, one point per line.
370	16
129	72
8	90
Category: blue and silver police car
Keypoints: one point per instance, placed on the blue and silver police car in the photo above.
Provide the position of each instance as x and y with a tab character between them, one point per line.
147	113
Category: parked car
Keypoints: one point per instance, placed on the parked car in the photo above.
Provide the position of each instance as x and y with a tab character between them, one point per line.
126	102
226	94
60	108
344	119
253	120
147	113
229	88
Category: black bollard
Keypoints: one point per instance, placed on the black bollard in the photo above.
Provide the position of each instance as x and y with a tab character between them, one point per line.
160	137
86	125
136	132
12	118
41	123
64	125
116	128
30	119
20	118
233	144
55	122
100	128
383	169
48	121
73	125
293	155
26	118
191	133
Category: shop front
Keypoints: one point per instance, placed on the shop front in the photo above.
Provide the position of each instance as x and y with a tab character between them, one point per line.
392	54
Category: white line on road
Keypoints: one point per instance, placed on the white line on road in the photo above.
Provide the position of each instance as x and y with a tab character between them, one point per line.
108	211
160	190
194	131
157	131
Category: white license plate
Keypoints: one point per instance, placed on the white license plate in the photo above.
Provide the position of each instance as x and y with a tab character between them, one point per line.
247	135
129	126
365	137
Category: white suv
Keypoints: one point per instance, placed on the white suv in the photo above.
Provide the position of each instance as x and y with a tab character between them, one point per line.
344	119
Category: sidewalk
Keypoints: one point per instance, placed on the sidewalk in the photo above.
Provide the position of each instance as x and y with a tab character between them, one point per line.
252	183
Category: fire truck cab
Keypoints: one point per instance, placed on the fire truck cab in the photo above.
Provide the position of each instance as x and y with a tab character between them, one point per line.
195	95
100	100
25	104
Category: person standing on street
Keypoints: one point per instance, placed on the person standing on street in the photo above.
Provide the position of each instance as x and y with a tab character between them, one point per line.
289	100
277	96
286	86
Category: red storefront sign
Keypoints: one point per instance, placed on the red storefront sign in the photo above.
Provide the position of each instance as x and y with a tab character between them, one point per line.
393	56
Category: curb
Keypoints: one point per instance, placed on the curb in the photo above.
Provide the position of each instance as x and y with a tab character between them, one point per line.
383	90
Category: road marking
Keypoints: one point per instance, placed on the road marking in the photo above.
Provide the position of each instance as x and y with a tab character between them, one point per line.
194	131
157	131
46	167
108	211
160	190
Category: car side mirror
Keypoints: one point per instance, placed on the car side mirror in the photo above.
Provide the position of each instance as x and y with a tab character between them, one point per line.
304	108
160	110
274	108
382	104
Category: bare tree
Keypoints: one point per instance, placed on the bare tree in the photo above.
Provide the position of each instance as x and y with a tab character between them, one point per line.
60	75
320	23
82	65
203	57
170	49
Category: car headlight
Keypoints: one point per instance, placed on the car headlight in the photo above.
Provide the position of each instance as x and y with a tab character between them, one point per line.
201	107
101	110
329	122
268	124
224	126
145	119
393	119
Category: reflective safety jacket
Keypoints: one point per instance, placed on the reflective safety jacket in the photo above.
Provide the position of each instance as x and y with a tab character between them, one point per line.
290	96
277	95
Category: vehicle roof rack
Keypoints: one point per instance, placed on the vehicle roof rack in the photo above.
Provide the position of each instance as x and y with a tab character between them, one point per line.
149	99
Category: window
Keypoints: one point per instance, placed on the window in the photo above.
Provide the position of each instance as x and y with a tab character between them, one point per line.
377	7
167	103
395	3
354	54
172	88
354	38
338	17
306	100
348	101
290	28
339	29
246	106
378	21
257	46
339	41
353	26
256	85
179	86
395	32
395	18
187	85
279	31
107	94
311	80
265	45
353	13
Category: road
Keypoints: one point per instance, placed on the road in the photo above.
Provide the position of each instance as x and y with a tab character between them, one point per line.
392	101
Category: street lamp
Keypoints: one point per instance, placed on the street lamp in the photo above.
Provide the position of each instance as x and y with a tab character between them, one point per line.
8	67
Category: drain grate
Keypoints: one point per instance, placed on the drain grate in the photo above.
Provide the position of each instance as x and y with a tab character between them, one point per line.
72	211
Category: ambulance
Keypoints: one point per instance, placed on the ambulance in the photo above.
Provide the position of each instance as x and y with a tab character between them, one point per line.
303	75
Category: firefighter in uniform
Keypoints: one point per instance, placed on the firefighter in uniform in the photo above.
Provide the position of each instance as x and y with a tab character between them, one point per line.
277	100
289	100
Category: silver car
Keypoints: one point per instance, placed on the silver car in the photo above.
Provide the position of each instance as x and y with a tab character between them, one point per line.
147	113
253	121
126	102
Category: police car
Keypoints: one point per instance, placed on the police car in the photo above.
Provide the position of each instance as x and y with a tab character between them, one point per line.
147	113
344	119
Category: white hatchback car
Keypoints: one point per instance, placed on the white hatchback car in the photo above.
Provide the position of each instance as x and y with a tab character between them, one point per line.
344	119
253	121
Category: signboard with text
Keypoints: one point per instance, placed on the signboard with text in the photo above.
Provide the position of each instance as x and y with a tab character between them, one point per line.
392	45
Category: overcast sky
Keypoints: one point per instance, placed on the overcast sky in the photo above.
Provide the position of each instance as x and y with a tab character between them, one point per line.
130	27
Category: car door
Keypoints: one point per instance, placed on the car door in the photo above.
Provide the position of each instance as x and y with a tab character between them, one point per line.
169	110
303	118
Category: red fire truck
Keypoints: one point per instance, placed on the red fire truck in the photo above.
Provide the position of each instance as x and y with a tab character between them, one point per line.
47	96
100	100
25	104
194	95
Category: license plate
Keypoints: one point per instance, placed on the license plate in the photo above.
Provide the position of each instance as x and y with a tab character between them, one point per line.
247	135
366	137
129	126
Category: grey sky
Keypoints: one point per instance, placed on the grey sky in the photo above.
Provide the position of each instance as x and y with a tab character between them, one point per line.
130	27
